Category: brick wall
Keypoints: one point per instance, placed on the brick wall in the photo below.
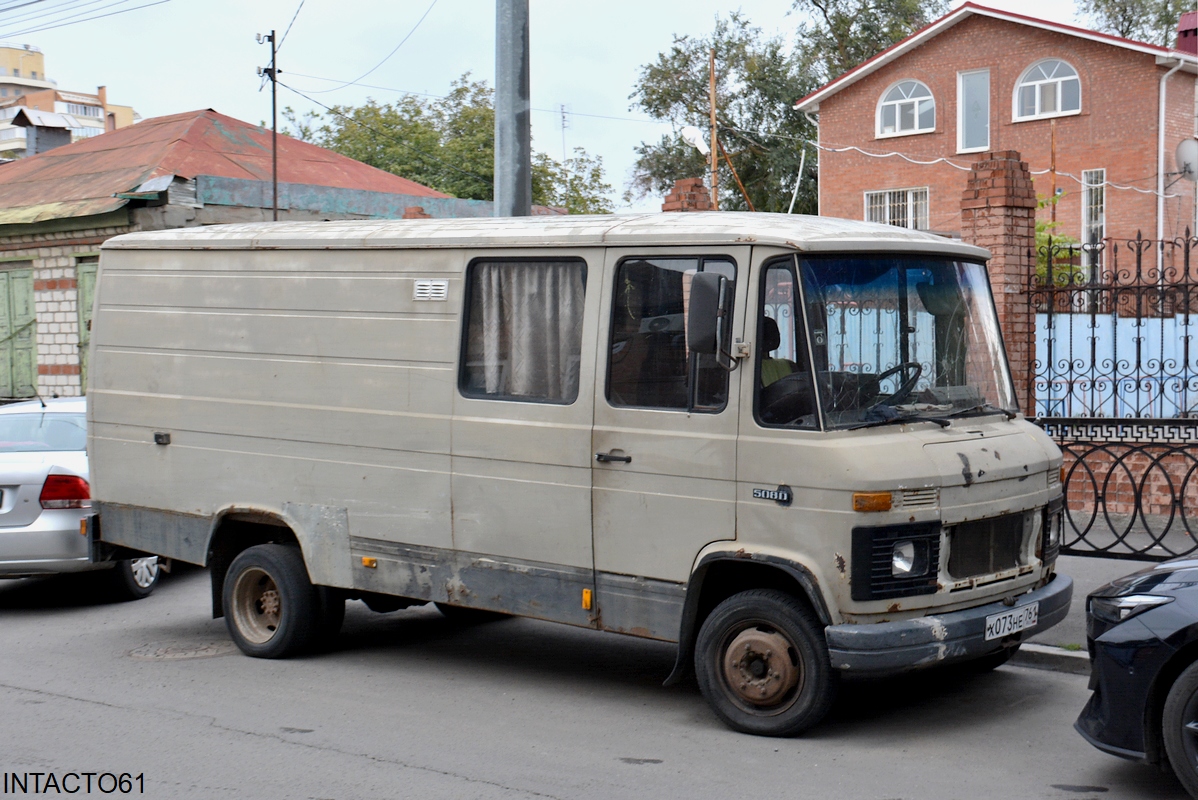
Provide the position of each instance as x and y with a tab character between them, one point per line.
1116	129
55	258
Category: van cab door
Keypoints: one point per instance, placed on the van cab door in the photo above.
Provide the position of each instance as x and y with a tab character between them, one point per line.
664	439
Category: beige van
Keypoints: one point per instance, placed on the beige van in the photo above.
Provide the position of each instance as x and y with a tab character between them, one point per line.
789	444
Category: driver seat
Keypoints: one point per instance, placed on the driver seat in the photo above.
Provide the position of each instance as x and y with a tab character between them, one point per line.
773	369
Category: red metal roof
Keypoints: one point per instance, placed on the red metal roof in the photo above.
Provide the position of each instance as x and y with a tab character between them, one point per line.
82	178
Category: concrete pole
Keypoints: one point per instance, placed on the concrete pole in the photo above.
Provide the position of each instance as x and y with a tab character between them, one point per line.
513	130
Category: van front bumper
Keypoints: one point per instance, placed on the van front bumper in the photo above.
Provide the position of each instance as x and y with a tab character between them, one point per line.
889	647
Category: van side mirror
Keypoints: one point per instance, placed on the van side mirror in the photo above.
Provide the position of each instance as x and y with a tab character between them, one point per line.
705	311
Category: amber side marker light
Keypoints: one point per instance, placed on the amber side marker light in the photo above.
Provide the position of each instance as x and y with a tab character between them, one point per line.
1062	474
587	599
872	501
370	563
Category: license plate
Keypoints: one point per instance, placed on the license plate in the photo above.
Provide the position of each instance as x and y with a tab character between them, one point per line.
1013	621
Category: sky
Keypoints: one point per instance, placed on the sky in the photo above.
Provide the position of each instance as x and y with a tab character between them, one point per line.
182	55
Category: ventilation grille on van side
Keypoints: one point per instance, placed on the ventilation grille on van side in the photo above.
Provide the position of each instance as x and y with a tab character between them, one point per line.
917	498
430	290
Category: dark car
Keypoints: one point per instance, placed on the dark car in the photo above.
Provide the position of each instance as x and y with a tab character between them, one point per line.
1142	631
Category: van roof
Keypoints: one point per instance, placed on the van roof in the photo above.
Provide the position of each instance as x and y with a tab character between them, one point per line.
801	232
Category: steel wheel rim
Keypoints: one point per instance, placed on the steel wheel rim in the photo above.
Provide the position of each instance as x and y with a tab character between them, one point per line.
760	669
144	571
257	605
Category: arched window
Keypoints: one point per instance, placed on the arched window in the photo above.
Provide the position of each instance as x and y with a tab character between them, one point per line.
1049	88
907	107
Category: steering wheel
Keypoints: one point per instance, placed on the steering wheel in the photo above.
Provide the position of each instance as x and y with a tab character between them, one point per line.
903	389
788	399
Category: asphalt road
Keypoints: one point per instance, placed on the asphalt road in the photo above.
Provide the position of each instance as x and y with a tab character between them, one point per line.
410	705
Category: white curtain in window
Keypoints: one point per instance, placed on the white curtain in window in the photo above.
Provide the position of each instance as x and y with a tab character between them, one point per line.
530	318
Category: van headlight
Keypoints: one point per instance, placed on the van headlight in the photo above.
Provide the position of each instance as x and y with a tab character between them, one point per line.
908	559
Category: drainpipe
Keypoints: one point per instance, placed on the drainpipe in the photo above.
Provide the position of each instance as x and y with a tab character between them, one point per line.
819	186
1160	170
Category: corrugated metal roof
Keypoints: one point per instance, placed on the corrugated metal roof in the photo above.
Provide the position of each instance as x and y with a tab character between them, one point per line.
804	233
82	178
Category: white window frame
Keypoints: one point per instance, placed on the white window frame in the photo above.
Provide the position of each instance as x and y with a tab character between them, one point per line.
911	206
882	102
961	148
1019	84
1091	180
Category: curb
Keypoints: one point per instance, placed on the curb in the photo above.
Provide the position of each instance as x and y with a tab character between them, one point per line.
1041	656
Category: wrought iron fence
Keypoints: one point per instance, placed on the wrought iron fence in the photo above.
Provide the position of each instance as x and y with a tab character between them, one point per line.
1115	382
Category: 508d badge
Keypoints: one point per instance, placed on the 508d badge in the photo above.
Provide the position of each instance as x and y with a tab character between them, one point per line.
782	495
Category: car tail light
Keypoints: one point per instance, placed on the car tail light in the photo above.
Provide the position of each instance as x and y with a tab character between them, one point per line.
65	491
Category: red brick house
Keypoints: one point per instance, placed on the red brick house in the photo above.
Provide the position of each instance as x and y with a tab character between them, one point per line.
979	79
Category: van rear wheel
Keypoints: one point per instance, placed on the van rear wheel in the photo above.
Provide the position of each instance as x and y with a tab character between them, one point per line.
762	664
272	610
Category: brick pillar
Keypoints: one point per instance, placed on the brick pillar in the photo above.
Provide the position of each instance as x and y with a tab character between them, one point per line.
416	212
998	212
688	194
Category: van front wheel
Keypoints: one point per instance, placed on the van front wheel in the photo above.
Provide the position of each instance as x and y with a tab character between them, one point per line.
762	664
272	610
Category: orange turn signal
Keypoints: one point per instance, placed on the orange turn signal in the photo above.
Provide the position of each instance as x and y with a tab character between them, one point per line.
587	599
872	501
1062	474
370	563
83	527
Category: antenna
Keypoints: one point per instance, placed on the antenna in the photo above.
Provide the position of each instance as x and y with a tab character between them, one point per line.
1186	158
694	137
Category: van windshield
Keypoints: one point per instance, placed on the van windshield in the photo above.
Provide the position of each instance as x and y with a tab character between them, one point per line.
902	337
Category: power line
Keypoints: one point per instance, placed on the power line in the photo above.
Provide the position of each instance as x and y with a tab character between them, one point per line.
289	24
384	61
442	97
37	14
87	19
385	135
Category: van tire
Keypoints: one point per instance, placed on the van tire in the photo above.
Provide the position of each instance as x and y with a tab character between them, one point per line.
765	692
272	610
469	616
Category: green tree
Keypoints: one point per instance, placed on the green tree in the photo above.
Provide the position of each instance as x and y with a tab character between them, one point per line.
448	144
1152	21
757	81
1064	250
843	33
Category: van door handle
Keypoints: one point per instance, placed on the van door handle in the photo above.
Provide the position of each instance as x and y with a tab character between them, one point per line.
605	458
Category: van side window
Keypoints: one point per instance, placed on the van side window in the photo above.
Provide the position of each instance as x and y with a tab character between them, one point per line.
650	366
523	330
785	397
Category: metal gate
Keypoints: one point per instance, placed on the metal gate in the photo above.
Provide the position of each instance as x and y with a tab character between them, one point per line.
1115	379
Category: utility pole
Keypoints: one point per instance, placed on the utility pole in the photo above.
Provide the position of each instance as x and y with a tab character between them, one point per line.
715	144
513	129
1052	171
272	72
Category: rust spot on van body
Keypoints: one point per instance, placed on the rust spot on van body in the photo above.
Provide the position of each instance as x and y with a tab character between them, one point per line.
840	563
893	608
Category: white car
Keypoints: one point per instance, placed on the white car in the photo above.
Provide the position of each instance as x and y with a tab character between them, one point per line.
44	496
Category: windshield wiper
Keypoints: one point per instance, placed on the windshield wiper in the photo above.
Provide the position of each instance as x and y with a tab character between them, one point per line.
981	409
943	423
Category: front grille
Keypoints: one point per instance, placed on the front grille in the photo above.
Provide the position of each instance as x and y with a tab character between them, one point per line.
873	551
985	546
